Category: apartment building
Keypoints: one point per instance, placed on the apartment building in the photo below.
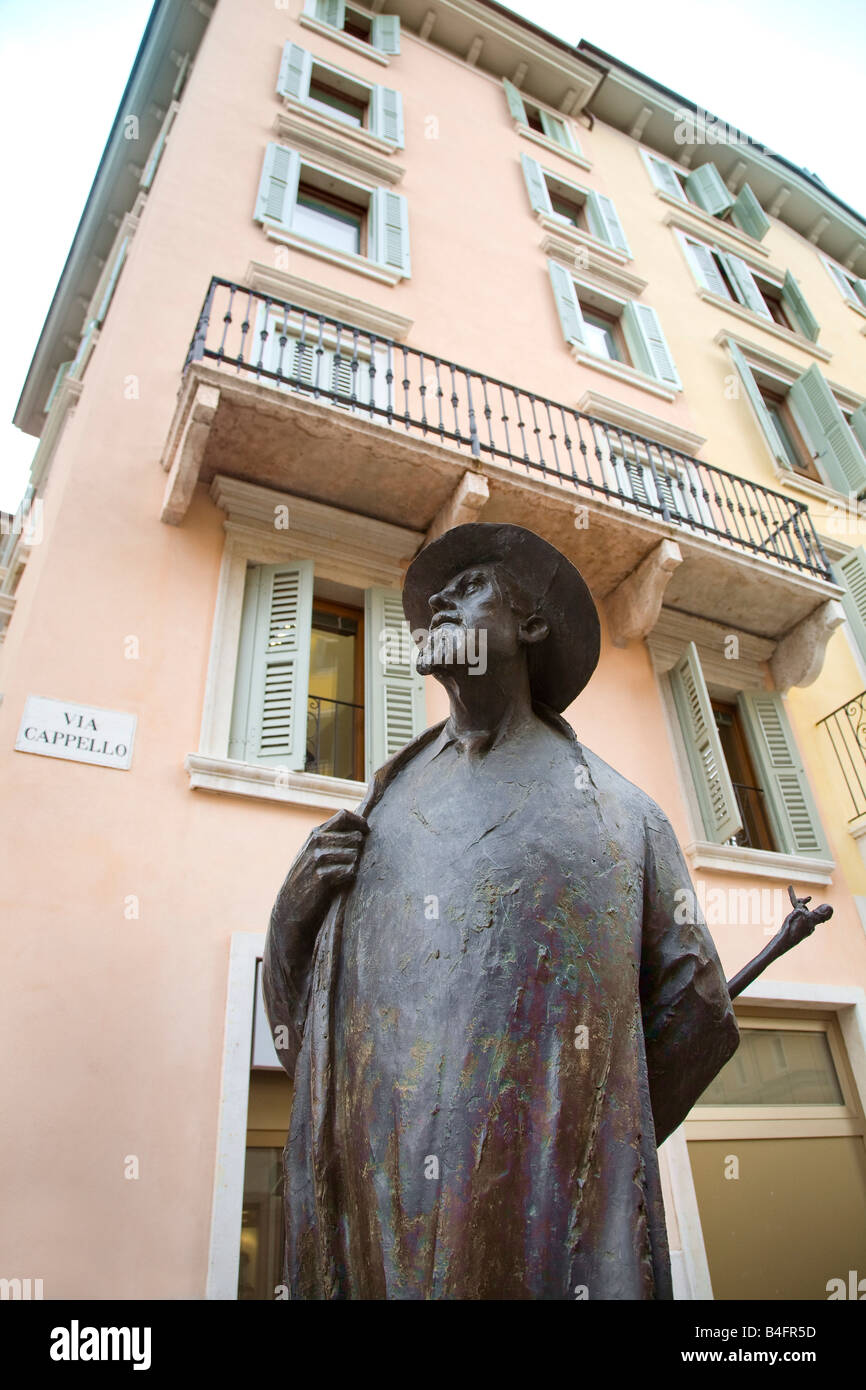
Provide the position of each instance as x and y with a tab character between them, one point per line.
349	276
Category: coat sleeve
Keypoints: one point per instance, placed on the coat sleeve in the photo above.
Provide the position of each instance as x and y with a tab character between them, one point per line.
690	1030
287	970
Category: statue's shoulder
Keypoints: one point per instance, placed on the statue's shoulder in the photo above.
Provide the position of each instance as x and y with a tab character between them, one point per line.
388	771
612	786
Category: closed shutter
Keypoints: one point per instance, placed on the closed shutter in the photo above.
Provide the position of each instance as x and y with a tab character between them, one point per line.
604	221
791	809
704	265
389	231
835	445
764	418
567	305
385	33
395	708
794	300
269	716
850	572
748	215
712	780
705	187
555	128
664	177
515	101
536	184
386	115
647	343
744	285
278	186
295	70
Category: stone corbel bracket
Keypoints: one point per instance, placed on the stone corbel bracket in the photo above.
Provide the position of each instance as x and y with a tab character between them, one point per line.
799	657
465	504
185	452
634	606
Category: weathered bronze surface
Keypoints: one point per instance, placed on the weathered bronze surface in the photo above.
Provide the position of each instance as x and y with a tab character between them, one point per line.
480	982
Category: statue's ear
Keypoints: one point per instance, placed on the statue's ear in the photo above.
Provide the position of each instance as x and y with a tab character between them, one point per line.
533	629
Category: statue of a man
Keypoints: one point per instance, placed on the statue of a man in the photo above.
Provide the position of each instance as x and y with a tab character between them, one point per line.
491	1005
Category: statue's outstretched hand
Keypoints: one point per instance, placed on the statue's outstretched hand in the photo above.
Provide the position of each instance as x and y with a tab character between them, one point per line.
802	921
327	862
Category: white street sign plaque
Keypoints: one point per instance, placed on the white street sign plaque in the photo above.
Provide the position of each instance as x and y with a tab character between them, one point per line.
82	733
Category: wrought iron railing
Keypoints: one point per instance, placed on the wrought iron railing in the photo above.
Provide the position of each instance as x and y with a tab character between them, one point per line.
335	733
404	388
751	805
846	730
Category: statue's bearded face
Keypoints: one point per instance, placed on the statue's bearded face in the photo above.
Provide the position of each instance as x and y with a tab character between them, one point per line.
480	615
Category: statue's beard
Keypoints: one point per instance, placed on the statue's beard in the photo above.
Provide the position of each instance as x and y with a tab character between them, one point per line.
449	646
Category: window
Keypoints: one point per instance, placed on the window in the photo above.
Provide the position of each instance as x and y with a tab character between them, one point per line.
747	772
312	674
340	96
849	285
306	201
730	277
557	129
705	188
572	206
321	360
601	326
805	427
380	31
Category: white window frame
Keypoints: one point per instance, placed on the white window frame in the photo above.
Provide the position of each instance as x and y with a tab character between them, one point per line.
366	50
835	270
614	304
362	135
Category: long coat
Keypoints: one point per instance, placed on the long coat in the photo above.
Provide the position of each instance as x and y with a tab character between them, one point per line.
492	1030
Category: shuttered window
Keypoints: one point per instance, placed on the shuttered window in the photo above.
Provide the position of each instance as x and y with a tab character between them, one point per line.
706	188
850	572
384	106
642	330
526	113
712	781
395	703
602	218
381	31
853	288
730	277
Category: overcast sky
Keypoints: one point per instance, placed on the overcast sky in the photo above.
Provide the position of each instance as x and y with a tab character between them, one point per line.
789	73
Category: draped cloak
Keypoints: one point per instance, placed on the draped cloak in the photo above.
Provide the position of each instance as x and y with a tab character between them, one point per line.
491	1030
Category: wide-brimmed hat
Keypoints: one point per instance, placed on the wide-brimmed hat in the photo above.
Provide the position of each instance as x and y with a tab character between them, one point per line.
561	665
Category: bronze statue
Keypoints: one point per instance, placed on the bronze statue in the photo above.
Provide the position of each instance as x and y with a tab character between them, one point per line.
479	982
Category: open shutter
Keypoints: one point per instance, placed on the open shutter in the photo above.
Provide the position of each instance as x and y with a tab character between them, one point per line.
663	177
395	707
859	288
748	215
567	305
604	221
850	572
836	448
765	419
744	285
792	297
108	292
385	32
269	717
704	748
705	187
647	343
331	12
278	186
555	128
791	809
515	101
704	265
386	115
857	421
536	184
55	385
389	215
295	70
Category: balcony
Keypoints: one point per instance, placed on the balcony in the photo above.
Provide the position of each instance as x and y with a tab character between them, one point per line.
846	729
296	401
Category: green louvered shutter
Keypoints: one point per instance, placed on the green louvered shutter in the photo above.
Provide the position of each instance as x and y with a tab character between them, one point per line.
706	188
385	32
744	285
663	177
269	716
567	305
850	572
515	101
278	186
791	810
859	288
295	70
704	264
395	706
386	115
765	419
857	421
536	184
604	221
389	215
331	12
55	385
647	343
704	748
555	128
748	215
835	445
794	300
